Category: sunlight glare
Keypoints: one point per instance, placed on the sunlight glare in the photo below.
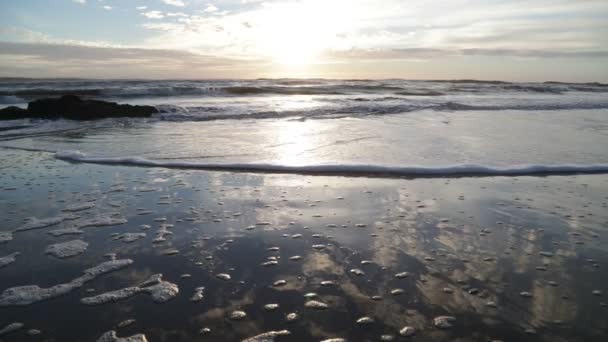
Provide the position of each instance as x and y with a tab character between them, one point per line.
296	33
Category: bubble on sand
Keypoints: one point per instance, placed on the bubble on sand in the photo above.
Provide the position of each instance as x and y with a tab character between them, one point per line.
199	294
162	232
237	315
365	320
33	332
315	304
28	294
267	336
357	272
280	282
35	223
160	290
443	322
292	317
130	237
407	331
111	336
125	323
223	276
5	237
101	221
295	258
270	263
67	249
402	275
10	328
66	231
334	340
271	307
9	259
79	207
396	292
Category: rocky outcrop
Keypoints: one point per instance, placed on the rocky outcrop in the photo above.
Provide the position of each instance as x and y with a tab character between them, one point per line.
13	113
74	108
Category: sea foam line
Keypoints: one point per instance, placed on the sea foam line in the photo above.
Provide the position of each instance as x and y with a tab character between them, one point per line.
346	169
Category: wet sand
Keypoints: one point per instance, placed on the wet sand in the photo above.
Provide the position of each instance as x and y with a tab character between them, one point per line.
244	254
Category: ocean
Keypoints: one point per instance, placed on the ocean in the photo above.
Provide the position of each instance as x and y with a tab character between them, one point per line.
307	210
358	126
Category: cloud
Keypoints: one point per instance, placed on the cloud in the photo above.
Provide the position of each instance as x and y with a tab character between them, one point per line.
54	60
82	2
107	8
428	53
210	8
153	14
178	3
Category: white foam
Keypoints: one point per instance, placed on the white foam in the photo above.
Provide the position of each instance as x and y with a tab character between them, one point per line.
130	237
5	237
347	169
80	207
101	221
10	328
35	223
267	336
28	294
160	290
67	249
111	336
9	259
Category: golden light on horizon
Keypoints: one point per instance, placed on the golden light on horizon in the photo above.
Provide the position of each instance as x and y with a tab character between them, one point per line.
297	33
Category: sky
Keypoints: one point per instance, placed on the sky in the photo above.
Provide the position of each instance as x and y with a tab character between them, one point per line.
513	40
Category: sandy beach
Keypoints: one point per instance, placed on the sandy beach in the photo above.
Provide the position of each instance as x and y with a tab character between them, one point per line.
509	258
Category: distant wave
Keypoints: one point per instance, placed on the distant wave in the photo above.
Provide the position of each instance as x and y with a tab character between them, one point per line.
346	169
360	108
120	89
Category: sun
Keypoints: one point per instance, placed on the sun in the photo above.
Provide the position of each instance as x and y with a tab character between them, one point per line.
296	33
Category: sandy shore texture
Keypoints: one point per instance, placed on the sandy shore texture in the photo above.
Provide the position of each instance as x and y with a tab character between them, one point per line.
288	257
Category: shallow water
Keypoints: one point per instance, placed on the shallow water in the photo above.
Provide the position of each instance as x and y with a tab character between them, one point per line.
472	248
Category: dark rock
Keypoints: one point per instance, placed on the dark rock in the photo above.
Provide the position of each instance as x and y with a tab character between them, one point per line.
13	113
74	108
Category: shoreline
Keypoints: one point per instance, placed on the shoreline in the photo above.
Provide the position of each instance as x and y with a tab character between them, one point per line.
482	238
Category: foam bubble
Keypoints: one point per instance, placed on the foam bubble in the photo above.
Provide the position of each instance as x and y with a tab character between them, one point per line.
67	249
9	259
160	290
35	223
79	207
5	237
28	294
267	336
111	336
10	328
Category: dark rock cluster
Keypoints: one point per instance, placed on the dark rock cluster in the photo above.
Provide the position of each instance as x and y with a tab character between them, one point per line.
74	108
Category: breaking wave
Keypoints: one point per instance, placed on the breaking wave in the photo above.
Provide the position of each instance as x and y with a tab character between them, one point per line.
369	108
345	169
131	89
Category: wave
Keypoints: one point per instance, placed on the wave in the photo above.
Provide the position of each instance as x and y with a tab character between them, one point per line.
285	87
464	170
360	108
